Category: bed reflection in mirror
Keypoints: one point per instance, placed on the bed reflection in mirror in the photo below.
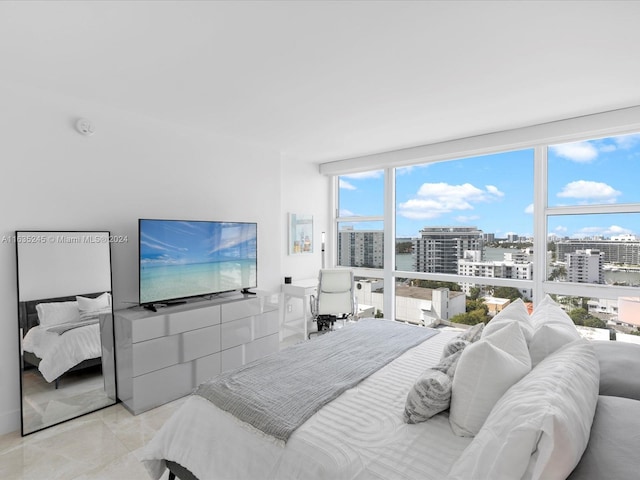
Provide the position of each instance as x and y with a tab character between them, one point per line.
65	316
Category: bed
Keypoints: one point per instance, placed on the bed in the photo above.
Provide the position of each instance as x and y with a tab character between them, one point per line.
62	334
360	434
522	400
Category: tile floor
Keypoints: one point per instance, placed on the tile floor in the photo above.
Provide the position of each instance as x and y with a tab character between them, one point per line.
102	445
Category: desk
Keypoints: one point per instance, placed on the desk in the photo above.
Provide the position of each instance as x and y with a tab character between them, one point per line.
302	289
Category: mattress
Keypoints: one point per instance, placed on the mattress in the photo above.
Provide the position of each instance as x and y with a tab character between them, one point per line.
360	434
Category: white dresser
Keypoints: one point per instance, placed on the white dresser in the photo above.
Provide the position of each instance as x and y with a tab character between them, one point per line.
164	355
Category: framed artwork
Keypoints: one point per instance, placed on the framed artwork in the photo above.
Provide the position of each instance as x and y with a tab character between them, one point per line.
300	234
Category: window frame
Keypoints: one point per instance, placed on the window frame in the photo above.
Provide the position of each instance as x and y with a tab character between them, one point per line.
540	138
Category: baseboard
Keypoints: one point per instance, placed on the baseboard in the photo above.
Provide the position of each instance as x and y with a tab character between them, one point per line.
9	422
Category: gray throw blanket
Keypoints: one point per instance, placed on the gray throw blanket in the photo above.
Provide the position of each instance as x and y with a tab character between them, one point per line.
280	392
65	327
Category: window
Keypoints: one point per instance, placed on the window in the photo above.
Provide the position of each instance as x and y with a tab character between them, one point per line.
475	227
360	222
594	172
360	236
594	248
469	217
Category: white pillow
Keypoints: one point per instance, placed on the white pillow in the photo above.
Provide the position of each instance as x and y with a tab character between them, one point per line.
548	311
515	311
540	427
548	338
485	371
92	307
56	313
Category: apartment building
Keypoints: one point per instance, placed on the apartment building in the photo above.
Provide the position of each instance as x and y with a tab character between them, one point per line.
438	249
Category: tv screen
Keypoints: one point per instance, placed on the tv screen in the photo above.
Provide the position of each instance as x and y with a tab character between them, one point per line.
181	259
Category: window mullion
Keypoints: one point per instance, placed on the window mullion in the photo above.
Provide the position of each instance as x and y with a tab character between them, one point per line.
389	298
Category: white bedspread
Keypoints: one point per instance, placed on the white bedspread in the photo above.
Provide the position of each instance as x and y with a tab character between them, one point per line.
360	435
59	353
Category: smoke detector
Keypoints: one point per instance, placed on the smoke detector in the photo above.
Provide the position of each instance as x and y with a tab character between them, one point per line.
85	127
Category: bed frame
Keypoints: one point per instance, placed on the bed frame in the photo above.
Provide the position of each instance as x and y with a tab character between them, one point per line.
178	471
28	318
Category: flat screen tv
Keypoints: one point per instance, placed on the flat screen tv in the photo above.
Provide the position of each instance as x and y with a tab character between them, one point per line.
179	259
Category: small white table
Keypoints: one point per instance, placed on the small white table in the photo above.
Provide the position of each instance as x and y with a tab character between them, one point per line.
302	289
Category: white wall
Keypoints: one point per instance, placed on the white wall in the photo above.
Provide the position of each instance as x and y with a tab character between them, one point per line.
56	179
304	191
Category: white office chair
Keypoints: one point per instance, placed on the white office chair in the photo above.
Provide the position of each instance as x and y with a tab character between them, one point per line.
335	299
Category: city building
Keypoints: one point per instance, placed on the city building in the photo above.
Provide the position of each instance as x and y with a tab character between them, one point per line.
358	248
516	265
585	266
438	249
623	250
629	310
417	305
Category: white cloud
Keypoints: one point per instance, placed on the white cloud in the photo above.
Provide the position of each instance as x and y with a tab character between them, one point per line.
436	199
581	152
587	151
467	218
529	208
361	175
346	185
560	229
616	230
346	213
587	191
492	189
601	231
626	142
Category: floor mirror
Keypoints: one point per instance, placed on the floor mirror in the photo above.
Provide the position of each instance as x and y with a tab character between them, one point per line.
65	319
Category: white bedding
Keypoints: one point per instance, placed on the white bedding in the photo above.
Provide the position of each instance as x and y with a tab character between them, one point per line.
359	435
59	353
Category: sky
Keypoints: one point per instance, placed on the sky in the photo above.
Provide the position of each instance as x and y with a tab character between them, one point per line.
495	192
170	242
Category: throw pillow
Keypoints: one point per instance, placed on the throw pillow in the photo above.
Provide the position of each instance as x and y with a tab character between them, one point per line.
540	427
467	337
516	311
454	346
472	334
548	338
431	393
548	311
485	371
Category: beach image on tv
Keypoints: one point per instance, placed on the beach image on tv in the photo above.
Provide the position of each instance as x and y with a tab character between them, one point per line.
180	259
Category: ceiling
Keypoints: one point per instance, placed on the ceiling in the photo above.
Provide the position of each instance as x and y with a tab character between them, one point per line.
321	81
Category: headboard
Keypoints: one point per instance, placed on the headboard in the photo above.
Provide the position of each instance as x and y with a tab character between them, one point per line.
28	315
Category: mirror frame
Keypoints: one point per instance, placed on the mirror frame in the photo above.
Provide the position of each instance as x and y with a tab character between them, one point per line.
106	329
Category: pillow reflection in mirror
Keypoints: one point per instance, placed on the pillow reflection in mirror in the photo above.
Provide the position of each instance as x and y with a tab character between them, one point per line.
56	313
92	307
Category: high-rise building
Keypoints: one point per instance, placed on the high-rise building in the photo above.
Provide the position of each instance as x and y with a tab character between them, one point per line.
515	265
361	248
623	250
585	266
438	249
